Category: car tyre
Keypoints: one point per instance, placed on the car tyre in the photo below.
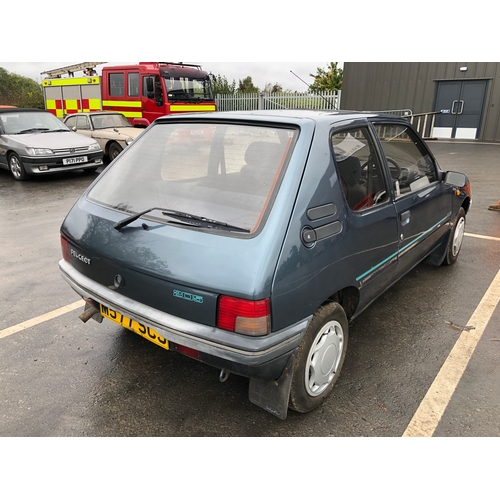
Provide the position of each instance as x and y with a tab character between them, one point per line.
456	239
114	150
17	168
320	358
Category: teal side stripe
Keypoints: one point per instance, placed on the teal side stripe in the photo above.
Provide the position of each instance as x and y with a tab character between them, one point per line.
401	250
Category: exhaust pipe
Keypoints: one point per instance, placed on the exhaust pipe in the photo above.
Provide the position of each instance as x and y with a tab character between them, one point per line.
224	375
90	312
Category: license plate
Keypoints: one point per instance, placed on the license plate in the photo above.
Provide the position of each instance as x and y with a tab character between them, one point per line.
74	161
130	324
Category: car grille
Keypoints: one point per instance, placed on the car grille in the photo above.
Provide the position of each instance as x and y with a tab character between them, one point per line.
70	151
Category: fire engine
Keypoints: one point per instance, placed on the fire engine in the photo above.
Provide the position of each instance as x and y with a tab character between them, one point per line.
142	92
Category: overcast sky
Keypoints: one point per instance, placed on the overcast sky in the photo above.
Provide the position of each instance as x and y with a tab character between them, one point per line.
261	72
261	31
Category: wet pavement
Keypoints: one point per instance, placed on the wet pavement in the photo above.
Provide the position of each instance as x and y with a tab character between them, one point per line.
61	377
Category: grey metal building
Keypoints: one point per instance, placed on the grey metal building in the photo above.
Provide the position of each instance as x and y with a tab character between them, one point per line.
465	95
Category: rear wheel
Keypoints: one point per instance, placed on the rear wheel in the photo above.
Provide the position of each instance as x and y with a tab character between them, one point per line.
456	238
16	168
320	358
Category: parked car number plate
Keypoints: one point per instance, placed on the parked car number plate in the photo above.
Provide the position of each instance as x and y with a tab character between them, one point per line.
144	331
74	161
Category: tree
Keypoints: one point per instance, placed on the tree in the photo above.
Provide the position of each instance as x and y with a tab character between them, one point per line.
273	89
17	90
329	79
246	86
221	85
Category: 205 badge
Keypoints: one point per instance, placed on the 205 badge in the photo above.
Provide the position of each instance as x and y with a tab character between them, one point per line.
191	297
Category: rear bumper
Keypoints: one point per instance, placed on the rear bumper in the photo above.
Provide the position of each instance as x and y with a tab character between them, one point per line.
261	358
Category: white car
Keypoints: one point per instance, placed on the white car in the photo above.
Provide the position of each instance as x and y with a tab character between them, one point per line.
112	131
35	142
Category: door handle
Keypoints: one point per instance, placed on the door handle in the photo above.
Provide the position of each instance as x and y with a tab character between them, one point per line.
453	112
405	218
461	107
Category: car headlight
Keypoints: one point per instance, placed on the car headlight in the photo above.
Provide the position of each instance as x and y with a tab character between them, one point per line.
39	151
94	147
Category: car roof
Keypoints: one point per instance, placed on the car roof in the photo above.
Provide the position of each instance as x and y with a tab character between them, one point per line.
286	114
22	110
88	113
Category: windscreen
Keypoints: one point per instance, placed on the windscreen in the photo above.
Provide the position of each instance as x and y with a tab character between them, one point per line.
223	172
109	120
184	88
23	122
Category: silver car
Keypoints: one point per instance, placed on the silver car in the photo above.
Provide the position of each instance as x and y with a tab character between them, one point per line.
35	142
112	131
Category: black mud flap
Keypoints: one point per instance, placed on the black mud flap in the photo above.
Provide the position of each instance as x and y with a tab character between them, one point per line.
273	395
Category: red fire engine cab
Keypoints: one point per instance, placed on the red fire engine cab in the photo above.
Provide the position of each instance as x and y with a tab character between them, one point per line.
142	92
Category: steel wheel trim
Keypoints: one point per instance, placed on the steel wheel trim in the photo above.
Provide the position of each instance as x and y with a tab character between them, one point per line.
15	167
458	237
324	358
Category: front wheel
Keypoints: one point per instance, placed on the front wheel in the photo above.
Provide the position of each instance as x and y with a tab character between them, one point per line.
16	168
114	150
320	358
456	238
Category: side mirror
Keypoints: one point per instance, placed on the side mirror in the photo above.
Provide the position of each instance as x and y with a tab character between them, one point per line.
455	179
140	122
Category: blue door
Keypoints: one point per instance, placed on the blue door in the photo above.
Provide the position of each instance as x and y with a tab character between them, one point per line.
423	203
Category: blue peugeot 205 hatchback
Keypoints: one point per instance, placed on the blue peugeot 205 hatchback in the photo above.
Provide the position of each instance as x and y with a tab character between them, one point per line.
249	241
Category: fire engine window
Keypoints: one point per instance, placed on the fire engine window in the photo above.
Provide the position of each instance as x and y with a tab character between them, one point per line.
116	84
148	87
133	84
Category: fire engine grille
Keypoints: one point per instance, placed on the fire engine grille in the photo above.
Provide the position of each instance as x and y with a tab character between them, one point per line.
70	151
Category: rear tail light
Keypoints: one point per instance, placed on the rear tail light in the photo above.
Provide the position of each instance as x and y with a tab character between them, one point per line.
65	248
467	188
248	317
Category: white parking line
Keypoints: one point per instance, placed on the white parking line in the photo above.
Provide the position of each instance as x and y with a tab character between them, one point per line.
432	407
480	236
40	319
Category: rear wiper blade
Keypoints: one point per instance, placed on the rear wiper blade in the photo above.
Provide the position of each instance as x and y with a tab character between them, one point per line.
195	220
125	222
204	220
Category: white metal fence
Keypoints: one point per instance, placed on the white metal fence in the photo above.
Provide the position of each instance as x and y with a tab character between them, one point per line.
250	102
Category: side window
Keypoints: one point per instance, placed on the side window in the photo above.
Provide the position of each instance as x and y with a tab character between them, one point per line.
410	165
70	122
133	84
359	169
82	123
116	84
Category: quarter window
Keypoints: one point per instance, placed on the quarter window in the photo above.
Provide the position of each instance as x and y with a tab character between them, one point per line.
359	169
410	164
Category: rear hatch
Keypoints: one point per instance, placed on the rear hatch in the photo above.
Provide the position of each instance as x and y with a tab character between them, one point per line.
206	227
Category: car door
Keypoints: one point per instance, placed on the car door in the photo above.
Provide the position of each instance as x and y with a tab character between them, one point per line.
371	255
423	203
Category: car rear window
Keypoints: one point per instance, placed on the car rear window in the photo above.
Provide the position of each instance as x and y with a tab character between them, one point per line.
224	172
